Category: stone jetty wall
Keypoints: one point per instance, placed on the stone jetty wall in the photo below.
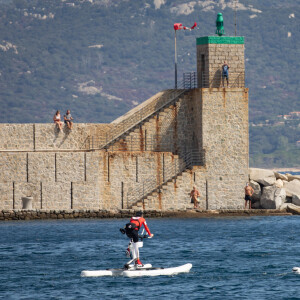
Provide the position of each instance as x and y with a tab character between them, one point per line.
162	148
39	137
58	170
26	215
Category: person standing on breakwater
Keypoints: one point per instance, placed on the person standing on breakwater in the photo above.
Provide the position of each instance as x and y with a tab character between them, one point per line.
57	120
225	74
195	194
133	233
248	194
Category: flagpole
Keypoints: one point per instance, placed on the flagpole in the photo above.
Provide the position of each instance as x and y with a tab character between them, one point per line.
175	63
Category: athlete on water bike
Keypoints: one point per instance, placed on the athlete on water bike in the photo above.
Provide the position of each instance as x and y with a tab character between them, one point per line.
132	231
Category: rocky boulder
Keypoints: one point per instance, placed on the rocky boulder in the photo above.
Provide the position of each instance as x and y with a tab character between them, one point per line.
293	209
292	187
293	177
255	205
279	197
296	200
257	191
262	176
281	176
272	197
279	183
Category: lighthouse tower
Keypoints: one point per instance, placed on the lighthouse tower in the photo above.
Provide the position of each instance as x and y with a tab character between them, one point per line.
222	118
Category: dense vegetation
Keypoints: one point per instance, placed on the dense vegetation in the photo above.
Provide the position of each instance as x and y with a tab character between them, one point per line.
53	65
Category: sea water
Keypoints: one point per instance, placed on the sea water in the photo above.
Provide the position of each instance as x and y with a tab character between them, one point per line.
233	258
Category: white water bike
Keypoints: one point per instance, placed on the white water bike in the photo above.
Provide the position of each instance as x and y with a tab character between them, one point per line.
130	269
296	270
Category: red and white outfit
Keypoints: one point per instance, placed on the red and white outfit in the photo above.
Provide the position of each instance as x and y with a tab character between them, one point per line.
139	221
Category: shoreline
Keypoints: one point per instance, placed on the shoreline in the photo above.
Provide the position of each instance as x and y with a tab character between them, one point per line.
28	215
286	170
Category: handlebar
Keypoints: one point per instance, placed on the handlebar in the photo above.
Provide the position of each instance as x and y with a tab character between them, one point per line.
145	236
141	236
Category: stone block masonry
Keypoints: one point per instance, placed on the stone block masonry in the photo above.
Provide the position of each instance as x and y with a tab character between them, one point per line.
13	166
41	137
6	195
145	165
221	131
214	121
11	215
212	51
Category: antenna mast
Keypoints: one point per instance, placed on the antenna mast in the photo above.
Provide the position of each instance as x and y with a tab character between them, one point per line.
235	16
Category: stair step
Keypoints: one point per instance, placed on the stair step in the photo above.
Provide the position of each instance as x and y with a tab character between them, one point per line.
151	119
171	183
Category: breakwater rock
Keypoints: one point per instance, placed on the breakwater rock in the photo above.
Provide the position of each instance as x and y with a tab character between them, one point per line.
10	215
272	190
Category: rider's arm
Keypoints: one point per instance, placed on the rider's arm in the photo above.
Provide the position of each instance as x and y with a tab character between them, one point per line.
146	227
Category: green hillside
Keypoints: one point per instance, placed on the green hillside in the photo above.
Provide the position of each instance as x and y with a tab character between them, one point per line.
100	58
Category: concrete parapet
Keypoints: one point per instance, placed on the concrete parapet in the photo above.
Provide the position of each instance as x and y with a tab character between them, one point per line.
17	137
38	137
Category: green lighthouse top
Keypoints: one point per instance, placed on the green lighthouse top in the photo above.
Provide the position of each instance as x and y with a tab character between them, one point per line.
219	23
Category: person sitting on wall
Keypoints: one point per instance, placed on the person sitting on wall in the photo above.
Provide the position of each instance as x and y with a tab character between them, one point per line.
248	194
57	120
68	119
195	194
225	73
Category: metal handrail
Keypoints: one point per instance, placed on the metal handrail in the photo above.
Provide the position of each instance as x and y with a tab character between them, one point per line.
218	80
190	80
143	114
182	162
140	116
152	143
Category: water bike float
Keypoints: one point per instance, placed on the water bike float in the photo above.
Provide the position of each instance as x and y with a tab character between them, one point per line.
132	270
146	270
296	270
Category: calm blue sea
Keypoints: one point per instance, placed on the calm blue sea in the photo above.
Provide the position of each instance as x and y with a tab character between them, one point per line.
233	258
292	173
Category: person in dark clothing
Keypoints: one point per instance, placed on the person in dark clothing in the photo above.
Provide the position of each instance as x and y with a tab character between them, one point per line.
225	74
68	119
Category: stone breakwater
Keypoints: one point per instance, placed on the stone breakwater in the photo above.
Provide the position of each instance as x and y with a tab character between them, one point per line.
273	190
10	215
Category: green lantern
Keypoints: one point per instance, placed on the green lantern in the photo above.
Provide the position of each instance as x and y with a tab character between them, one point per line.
219	23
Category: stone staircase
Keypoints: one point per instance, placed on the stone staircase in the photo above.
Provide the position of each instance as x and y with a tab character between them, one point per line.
157	198
132	126
156	126
133	120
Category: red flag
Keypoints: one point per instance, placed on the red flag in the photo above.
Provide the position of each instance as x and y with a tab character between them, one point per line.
178	26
